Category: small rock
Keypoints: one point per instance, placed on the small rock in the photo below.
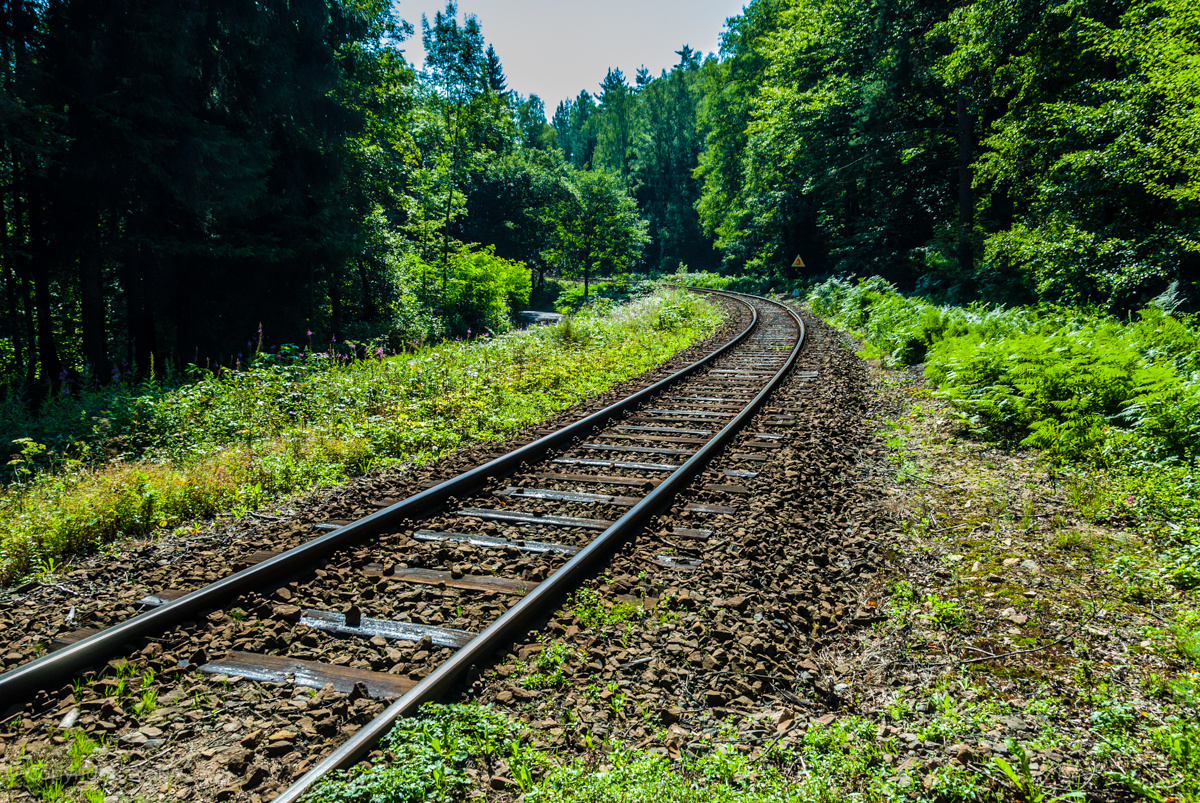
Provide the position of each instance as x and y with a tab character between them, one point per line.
1012	723
288	613
257	775
962	753
1029	565
70	719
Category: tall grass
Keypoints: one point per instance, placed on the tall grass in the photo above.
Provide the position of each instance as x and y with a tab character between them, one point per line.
132	459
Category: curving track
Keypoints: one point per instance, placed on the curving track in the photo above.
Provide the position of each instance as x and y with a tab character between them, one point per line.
463	568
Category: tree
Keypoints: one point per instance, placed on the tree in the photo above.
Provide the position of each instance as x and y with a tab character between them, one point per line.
513	203
455	64
575	124
598	228
666	150
493	72
615	135
536	133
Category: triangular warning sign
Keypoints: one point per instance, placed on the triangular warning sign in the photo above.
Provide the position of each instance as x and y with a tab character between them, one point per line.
799	263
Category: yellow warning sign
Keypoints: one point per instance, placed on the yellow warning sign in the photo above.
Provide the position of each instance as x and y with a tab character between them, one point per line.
799	263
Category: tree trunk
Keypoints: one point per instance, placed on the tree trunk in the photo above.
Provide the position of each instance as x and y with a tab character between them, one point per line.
368	303
20	264
91	296
335	303
450	201
187	349
139	315
12	319
49	365
966	201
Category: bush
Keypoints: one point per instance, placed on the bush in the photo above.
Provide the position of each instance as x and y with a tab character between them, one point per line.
482	291
616	291
706	279
1078	384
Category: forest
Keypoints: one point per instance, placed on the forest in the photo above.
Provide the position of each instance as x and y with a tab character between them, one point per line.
185	184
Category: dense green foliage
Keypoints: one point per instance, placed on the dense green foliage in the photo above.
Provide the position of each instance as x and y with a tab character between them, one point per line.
649	136
1011	151
177	180
130	458
1079	384
1017	151
172	179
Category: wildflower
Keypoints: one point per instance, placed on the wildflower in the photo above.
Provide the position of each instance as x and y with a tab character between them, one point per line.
309	333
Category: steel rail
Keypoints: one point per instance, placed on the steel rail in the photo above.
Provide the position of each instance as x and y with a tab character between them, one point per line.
535	604
25	680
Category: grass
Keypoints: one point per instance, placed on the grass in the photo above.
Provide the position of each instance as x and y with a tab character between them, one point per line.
149	459
63	777
427	758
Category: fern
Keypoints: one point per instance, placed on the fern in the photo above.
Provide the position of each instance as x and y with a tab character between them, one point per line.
1073	382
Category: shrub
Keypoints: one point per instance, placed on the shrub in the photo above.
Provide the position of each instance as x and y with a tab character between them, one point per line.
1075	383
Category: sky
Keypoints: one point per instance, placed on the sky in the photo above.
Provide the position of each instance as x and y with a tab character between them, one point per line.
555	48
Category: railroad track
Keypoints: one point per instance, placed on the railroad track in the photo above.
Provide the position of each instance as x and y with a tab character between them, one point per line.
415	594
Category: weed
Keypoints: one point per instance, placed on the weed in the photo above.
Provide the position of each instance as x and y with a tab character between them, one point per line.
50	777
1186	640
944	612
548	668
593	611
1021	777
147	702
426	757
1073	541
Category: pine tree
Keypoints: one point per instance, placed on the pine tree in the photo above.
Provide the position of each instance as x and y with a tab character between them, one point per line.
494	72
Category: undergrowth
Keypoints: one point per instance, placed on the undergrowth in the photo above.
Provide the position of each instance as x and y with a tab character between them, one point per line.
1078	384
141	459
